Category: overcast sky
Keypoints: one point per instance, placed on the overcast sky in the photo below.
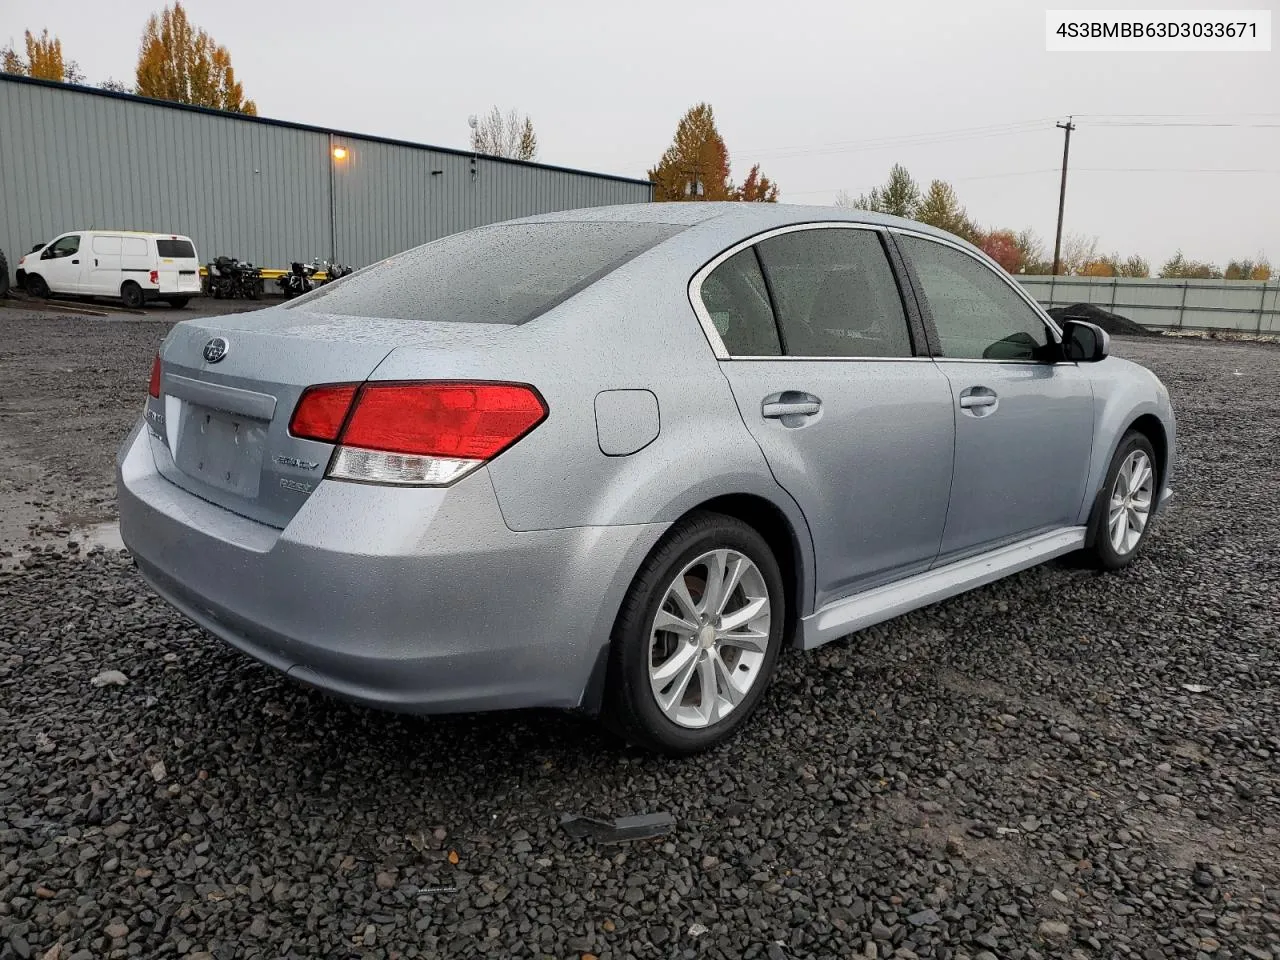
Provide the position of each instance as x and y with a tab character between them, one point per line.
605	84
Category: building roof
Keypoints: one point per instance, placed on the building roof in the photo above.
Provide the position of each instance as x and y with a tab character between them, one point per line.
171	105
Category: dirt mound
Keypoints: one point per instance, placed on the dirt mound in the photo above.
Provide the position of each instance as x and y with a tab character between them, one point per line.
1113	323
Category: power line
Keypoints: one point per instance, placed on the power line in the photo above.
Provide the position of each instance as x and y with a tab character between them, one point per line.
1012	128
1027	173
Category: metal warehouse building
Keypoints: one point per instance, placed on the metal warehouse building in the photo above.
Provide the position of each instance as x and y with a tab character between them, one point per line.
265	190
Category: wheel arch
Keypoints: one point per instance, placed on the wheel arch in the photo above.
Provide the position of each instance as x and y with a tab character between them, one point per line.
788	537
1149	425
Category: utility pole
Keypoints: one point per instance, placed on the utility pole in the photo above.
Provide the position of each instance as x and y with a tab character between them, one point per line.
1062	193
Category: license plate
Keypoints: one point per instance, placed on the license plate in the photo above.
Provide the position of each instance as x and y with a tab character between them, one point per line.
221	450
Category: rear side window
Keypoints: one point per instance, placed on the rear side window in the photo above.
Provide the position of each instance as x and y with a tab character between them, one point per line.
978	315
737	300
134	247
108	246
835	294
503	274
175	249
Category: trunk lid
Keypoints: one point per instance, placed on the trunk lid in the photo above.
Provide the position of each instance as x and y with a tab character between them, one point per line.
220	429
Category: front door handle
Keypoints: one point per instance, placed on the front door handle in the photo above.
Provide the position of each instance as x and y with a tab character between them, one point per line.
790	403
979	401
75	261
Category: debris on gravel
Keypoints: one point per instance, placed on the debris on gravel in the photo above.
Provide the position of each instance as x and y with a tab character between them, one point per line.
1113	323
1015	773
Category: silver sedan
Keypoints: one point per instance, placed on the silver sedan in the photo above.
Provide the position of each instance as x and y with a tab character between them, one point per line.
616	459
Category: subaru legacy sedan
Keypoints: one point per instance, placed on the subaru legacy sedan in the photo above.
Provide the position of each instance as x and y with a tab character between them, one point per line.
616	459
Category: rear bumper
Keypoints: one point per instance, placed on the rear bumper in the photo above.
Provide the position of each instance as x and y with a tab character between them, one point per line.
412	599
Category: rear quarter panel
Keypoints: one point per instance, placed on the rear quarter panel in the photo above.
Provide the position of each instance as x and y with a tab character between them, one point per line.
633	330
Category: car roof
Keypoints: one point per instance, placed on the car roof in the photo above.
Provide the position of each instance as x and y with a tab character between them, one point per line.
734	219
128	233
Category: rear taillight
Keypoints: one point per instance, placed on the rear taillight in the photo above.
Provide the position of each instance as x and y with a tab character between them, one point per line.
155	276
424	434
153	388
320	412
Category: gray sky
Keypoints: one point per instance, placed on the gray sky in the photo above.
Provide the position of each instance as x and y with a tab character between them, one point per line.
606	83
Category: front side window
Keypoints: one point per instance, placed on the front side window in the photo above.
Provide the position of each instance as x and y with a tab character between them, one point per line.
835	294
65	246
978	315
737	300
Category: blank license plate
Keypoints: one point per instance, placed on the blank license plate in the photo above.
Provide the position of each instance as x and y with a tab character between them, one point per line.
222	450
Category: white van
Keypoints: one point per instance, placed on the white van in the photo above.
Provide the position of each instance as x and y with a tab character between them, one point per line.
136	267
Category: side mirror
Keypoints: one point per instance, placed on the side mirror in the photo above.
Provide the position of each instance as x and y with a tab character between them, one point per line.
38	246
1085	342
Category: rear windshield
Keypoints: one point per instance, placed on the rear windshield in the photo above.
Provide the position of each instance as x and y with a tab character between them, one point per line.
175	248
506	273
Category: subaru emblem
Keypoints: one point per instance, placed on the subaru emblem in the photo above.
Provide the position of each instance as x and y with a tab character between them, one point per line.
215	349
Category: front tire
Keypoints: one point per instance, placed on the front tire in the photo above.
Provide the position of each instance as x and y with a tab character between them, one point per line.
1122	513
131	294
37	287
697	639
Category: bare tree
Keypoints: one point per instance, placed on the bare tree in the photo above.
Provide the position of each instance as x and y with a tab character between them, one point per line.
1077	250
504	135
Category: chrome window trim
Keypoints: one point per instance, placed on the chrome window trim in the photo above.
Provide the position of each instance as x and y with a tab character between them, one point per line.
704	318
1000	272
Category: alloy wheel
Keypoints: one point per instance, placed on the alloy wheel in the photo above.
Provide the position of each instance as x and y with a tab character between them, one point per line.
709	638
1130	506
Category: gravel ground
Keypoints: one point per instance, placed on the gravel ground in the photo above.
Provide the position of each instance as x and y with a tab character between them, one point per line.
1021	772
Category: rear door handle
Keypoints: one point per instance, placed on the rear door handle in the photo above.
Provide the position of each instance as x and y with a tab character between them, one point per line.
789	403
978	400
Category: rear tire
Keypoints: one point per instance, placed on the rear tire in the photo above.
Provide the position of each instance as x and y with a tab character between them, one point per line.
37	287
1123	511
688	666
178	302
131	294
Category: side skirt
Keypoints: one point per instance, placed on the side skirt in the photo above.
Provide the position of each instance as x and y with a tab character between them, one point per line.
850	614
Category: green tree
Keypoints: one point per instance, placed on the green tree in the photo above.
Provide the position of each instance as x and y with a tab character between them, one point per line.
179	62
940	208
1181	268
899	197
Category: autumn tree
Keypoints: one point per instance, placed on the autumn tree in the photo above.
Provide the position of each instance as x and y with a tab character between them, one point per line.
1259	269
44	60
696	165
1181	268
1002	247
499	134
177	61
757	188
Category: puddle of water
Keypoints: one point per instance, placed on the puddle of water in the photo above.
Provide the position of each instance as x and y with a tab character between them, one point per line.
105	536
